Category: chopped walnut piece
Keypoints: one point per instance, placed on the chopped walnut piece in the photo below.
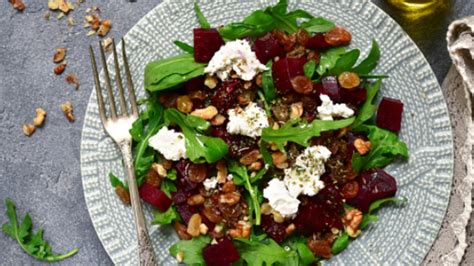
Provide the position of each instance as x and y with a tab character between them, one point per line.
72	79
29	129
296	110
320	248
280	160
39	119
17	4
207	113
231	198
195	200
241	230
194	224
218	120
203	229
67	110
59	55
160	169
221	172
107	42
228	187
65	6
123	194
53	4
181	230
362	146
250	157
210	82
352	220
290	229
104	28
59	69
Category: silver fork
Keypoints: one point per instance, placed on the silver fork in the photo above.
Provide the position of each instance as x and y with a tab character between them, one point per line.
118	126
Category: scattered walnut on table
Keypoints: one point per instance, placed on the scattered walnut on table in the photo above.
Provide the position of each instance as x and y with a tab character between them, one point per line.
40	116
17	4
104	28
72	79
59	55
29	129
68	111
59	69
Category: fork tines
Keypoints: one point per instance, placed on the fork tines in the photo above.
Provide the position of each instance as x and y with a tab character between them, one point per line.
118	80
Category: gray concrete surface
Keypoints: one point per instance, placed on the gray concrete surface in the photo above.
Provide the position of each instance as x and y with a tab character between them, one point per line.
41	174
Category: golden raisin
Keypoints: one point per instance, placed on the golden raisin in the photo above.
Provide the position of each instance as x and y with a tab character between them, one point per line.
184	104
337	37
348	80
197	172
302	84
350	190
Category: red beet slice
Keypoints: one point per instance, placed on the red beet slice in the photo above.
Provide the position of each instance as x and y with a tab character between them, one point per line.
194	84
329	87
206	43
374	184
389	114
224	97
284	70
221	254
273	229
321	213
355	96
267	47
317	42
155	197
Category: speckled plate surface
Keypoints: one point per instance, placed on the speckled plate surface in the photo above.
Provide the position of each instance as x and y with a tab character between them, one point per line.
402	236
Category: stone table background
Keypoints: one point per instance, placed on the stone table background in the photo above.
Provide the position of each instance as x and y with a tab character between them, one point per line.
42	174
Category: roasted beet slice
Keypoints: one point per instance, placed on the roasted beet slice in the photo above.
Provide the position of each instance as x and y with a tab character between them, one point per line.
206	43
321	213
273	229
224	97
194	84
284	70
267	47
389	114
155	197
317	42
221	254
374	184
355	96
329	87
184	183
186	211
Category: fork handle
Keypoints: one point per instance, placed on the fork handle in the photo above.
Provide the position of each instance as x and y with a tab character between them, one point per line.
145	249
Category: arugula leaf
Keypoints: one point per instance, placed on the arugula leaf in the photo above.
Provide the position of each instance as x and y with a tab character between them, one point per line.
146	126
266	155
32	243
172	174
201	18
345	62
167	73
370	62
374	76
168	187
192	250
267	83
115	181
309	68
318	24
368	109
386	147
340	243
166	217
328	59
298	244
185	47
199	147
241	177
283	20
262	253
301	133
369	216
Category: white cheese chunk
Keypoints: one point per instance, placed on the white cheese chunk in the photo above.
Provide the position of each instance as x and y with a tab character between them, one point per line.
304	176
169	143
235	56
280	199
248	122
328	110
210	183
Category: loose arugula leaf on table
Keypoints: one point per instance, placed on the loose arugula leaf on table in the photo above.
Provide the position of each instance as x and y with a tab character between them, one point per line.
199	147
386	147
267	252
170	72
166	217
201	18
367	111
328	59
309	68
146	126
268	86
32	243
192	249
185	47
115	181
318	24
301	132
369	63
370	217
241	177
345	62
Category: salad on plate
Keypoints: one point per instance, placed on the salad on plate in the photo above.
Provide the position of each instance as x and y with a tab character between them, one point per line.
262	144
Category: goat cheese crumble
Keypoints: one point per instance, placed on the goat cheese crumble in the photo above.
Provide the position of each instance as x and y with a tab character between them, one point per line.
237	56
303	178
210	183
169	143
248	122
328	110
280	199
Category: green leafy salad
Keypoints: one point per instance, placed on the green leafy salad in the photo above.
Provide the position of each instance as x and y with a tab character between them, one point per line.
264	142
